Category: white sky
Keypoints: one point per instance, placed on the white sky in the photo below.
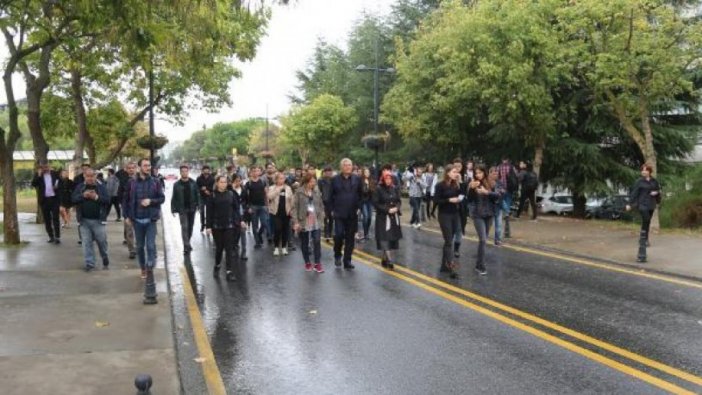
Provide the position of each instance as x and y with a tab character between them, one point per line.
270	77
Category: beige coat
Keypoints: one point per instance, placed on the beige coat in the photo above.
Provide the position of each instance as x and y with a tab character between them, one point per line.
274	195
299	214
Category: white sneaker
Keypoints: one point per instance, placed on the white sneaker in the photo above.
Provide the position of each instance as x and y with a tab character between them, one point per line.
419	226
285	251
276	252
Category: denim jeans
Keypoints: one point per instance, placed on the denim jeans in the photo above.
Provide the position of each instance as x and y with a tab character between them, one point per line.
367	216
311	237
498	224
259	217
93	230
145	235
482	228
416	204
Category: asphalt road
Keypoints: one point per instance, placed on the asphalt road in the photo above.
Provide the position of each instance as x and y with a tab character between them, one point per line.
534	324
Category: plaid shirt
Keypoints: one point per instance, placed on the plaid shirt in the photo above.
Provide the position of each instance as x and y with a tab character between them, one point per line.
503	171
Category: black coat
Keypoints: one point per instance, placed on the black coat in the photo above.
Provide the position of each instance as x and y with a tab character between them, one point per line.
640	195
66	187
223	211
385	198
40	185
346	196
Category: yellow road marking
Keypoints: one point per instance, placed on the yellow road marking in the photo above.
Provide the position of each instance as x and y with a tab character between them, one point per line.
213	379
586	262
572	333
667	386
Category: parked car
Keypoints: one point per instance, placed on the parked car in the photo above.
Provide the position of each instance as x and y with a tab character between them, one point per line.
613	207
560	205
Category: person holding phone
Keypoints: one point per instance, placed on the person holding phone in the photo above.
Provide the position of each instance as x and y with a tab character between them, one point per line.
645	195
448	197
481	202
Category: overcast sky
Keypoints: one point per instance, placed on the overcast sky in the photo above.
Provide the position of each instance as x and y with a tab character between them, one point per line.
270	77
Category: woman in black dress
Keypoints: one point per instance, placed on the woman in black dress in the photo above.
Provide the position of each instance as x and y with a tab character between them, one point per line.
65	189
387	202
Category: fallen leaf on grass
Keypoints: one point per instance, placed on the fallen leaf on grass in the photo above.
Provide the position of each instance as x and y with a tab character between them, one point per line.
101	324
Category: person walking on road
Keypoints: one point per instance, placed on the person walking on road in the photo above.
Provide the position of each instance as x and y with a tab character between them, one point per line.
224	223
387	201
499	189
508	176
430	180
308	217
205	184
184	203
645	195
416	193
112	186
92	199
143	210
529	184
448	197
46	182
368	185
129	173
324	186
65	193
242	197
280	204
256	190
345	199
481	200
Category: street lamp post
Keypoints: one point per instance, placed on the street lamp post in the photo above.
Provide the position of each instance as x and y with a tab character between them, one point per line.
376	75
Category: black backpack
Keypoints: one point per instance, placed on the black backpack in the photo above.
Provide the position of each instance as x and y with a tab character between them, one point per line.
531	181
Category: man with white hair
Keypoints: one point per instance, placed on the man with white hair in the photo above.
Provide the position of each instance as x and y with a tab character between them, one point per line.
345	201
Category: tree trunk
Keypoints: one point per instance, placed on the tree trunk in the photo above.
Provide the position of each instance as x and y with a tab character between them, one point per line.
9	200
80	117
650	157
538	158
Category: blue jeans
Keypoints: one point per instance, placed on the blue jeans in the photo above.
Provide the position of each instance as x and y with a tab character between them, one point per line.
312	237
93	230
259	215
507	203
498	224
416	204
482	228
367	215
145	235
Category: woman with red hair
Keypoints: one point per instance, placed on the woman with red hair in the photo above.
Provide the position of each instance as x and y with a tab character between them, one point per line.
387	202
645	195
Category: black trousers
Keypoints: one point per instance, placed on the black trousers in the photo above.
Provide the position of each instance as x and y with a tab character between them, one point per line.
225	241
114	201
328	222
345	237
523	197
52	222
449	224
281	233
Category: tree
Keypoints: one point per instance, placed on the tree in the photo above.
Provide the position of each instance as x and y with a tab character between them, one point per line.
318	128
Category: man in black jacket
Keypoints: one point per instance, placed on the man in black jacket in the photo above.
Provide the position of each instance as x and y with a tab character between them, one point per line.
345	200
91	199
205	184
184	203
46	183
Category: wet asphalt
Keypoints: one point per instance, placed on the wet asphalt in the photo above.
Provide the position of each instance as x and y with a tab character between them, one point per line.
281	330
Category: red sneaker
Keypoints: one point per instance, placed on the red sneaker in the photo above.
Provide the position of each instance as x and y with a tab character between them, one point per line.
308	267
318	268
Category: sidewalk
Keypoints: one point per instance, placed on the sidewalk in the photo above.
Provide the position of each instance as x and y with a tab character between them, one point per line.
66	331
676	254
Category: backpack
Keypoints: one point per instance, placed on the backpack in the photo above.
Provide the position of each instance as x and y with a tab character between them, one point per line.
512	180
531	181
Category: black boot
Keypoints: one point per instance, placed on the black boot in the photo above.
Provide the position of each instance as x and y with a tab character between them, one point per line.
643	240
508	233
215	272
384	262
391	266
456	250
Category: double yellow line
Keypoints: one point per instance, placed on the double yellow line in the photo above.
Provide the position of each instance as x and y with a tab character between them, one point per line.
468	299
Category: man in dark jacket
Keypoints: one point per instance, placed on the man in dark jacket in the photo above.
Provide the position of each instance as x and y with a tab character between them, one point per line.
124	175
142	209
325	188
46	183
205	184
345	200
184	202
529	183
91	199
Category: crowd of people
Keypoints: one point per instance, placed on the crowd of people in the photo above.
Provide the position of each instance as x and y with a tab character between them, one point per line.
307	204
